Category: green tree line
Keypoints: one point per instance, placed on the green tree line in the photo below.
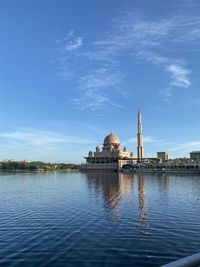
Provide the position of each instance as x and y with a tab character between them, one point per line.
36	166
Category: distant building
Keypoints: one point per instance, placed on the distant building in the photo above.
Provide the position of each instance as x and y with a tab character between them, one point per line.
17	161
195	155
163	156
151	160
9	160
24	161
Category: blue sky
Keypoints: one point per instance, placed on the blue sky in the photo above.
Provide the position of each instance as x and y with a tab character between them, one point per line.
72	71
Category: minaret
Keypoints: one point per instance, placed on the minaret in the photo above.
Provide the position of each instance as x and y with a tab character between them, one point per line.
140	149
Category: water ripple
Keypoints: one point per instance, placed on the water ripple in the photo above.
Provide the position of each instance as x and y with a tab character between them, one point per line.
97	219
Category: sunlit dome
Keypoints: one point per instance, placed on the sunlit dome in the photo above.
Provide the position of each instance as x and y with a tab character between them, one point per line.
111	139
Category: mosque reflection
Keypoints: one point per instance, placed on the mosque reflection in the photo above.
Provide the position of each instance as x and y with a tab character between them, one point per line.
117	188
113	186
142	216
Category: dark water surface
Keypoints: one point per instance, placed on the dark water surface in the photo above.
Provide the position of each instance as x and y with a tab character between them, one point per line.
98	219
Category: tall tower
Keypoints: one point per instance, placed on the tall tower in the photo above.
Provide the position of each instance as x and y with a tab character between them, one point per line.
140	149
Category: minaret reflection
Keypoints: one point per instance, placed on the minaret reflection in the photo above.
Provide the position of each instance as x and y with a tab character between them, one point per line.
143	215
113	187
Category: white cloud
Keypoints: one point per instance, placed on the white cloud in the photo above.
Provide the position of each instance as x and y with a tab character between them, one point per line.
179	75
146	139
40	139
187	146
166	94
94	99
72	43
100	78
96	90
179	78
91	99
132	31
68	49
140	37
136	35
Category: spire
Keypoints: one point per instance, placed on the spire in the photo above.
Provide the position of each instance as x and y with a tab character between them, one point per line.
140	149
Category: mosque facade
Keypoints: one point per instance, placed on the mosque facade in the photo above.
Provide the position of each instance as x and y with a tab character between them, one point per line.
112	156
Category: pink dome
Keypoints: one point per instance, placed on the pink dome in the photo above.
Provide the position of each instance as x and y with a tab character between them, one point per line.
111	139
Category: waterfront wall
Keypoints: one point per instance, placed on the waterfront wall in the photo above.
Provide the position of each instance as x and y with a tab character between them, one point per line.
181	171
143	168
99	166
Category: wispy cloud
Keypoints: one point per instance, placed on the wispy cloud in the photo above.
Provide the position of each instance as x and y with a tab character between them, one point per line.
133	31
94	85
179	75
96	88
40	139
179	78
146	139
100	78
139	37
187	146
91	99
69	49
72	43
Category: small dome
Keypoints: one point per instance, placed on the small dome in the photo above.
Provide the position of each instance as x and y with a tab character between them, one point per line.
111	139
90	154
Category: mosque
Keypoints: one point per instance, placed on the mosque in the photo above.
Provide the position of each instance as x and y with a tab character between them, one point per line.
112	156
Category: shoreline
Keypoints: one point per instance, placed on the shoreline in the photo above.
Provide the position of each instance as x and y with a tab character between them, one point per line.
125	171
190	171
37	171
141	171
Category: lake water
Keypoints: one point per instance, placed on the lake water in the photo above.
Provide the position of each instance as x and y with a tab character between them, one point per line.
98	219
